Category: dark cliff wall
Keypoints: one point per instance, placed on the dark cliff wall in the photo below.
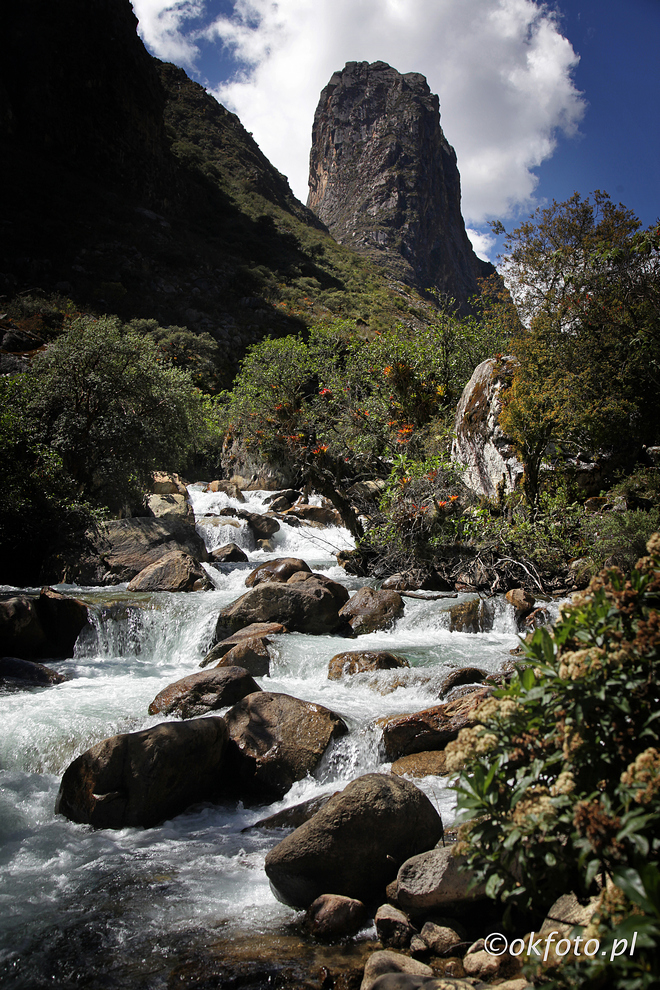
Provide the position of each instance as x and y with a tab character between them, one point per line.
384	179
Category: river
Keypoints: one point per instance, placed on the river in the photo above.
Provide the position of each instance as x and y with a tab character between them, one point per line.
136	908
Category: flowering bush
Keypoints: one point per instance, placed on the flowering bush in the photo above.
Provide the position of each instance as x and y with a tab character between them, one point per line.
560	782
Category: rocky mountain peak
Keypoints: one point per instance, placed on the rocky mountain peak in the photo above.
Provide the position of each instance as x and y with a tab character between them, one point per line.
384	179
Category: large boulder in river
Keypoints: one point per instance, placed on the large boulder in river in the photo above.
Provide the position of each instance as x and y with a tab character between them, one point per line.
369	610
250	654
142	778
198	694
277	740
121	548
230	553
484	454
355	843
255	630
176	571
17	673
365	661
263	525
298	607
278	570
47	626
431	728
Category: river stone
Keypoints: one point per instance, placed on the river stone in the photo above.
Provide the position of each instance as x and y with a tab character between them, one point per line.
426	764
334	916
474	616
295	815
369	610
229	488
316	513
301	609
230	553
394	928
431	728
464	675
277	740
440	939
522	600
290	494
47	626
352	845
251	654
436	879
205	692
280	504
387	963
142	778
27	673
175	571
171	506
263	525
254	629
357	662
309	582
278	570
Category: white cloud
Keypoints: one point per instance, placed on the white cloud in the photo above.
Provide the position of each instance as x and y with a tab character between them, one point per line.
501	68
483	243
163	28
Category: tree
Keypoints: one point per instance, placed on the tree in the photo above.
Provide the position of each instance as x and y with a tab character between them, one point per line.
586	281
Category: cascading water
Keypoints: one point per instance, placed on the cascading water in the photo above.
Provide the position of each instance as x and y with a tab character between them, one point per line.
109	908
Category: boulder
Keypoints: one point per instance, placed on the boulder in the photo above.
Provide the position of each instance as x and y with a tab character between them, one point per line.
121	548
393	927
522	600
316	513
301	609
280	504
258	630
427	764
171	507
205	692
27	673
175	571
47	626
230	553
441	939
276	740
263	525
142	778
251	654
229	488
335	916
290	494
484	455
168	484
369	610
278	570
294	816
385	969
473	616
436	879
460	677
431	728
355	842
310	581
358	662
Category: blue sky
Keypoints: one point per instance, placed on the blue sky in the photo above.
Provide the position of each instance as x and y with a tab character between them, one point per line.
539	100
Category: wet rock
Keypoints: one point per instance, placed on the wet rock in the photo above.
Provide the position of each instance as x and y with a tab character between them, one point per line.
385	963
207	691
142	778
522	600
15	672
280	504
369	610
310	581
294	816
279	571
175	571
301	609
316	514
171	507
474	616
251	654
229	488
399	582
353	845
464	675
277	740
334	916
431	728
358	662
426	764
394	928
258	630
290	494
436	879
121	548
440	939
37	628
262	525
230	553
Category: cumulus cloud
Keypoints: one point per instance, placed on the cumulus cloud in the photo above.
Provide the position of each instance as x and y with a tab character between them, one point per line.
165	29
502	70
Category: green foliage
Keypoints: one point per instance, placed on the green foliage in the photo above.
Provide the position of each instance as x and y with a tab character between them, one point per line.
560	780
585	281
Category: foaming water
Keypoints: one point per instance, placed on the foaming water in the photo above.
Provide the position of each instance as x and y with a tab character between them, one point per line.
78	901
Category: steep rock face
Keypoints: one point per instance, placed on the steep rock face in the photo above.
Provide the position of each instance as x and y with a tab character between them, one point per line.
384	178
